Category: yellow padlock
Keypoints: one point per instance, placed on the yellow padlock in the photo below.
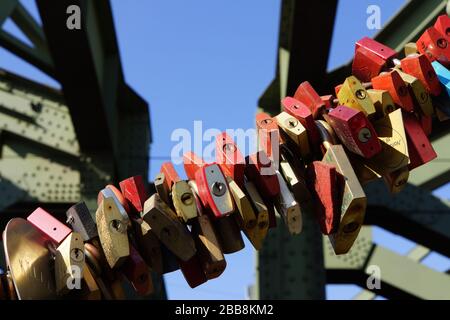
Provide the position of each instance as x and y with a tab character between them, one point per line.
183	201
352	94
295	131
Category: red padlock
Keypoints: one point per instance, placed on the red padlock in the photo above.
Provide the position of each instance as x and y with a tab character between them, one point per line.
435	46
55	230
393	82
420	67
442	25
137	272
170	174
269	137
301	112
366	64
192	271
326	185
192	163
379	49
133	190
260	170
229	158
308	96
419	147
355	131
426	122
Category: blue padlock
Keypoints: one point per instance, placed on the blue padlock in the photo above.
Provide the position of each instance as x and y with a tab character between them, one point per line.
442	101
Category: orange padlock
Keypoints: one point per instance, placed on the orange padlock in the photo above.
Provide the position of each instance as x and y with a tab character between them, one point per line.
393	82
269	136
435	46
420	67
442	25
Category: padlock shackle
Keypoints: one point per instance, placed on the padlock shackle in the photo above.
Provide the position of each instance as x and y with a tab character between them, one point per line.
326	134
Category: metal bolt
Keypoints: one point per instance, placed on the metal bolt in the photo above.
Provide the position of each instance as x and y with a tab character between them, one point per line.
291	122
442	43
186	198
267	121
229	147
118	226
218	189
364	135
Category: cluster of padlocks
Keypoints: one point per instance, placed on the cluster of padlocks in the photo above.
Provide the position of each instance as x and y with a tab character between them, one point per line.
312	158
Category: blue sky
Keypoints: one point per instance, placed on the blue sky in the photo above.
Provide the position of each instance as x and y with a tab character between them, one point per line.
211	60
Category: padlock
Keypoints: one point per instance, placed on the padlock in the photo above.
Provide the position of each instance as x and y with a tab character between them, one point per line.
363	171
134	191
169	230
435	46
229	158
419	146
299	111
209	250
112	192
288	208
162	188
229	234
182	197
352	94
245	214
328	100
366	64
326	185
193	272
149	246
91	289
355	131
192	163
261	172
410	49
442	24
69	263
396	180
169	260
81	221
420	67
306	94
379	49
136	271
51	228
426	122
295	131
354	201
269	136
391	132
392	82
92	265
261	212
112	231
420	95
383	102
213	190
244	208
443	75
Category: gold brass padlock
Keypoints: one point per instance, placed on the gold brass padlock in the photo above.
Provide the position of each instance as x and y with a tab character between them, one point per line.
262	215
92	290
245	210
410	48
149	246
354	201
69	263
383	102
112	231
420	94
352	94
169	230
288	208
394	154
364	173
295	131
396	180
183	201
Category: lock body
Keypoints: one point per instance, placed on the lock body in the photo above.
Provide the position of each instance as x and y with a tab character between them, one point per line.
81	221
51	228
229	158
294	129
420	67
352	94
382	101
435	46
261	172
306	94
392	82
